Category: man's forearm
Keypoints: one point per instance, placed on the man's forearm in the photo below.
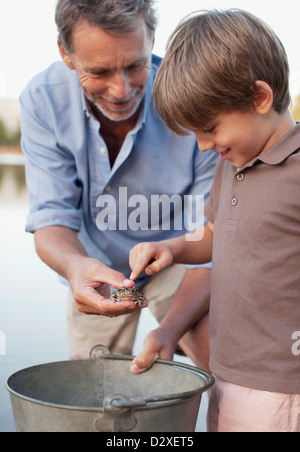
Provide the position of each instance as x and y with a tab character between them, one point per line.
59	247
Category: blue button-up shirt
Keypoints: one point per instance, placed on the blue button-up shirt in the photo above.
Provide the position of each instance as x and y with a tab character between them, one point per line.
72	184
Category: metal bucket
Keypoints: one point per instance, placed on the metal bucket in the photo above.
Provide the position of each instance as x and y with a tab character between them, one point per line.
101	395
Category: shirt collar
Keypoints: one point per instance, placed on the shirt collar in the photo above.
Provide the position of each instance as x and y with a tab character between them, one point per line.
280	151
283	148
86	106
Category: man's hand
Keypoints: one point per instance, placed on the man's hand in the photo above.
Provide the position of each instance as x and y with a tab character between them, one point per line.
90	281
60	248
158	344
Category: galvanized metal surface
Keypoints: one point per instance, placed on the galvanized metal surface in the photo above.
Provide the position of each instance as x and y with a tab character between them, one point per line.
101	395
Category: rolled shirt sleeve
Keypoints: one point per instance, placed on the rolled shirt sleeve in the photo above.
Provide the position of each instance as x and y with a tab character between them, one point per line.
54	189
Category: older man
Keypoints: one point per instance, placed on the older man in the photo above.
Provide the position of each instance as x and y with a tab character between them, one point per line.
97	158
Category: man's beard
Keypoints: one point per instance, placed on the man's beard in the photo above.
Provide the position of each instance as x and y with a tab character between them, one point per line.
118	115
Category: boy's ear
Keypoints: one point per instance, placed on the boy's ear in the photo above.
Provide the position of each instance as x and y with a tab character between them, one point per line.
264	97
65	56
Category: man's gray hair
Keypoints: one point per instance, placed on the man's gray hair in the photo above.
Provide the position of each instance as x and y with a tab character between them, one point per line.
115	16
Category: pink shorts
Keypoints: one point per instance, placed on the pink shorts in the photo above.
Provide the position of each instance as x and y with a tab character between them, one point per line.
236	409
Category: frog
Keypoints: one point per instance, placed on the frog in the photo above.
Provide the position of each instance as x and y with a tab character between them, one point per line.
128	294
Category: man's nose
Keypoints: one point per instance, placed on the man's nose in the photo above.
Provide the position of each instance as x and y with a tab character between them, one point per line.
119	86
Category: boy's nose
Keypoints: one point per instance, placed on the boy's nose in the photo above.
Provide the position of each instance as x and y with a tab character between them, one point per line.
205	141
205	145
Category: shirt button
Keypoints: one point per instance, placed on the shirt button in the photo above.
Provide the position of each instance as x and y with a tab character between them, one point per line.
234	202
103	150
240	177
108	188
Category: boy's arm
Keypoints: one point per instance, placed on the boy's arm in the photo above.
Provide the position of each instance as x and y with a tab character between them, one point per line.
184	316
161	343
154	257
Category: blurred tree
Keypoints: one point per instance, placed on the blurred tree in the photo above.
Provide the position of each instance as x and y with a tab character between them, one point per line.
15	137
3	132
9	138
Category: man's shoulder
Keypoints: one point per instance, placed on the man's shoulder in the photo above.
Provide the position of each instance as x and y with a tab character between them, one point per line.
56	75
156	61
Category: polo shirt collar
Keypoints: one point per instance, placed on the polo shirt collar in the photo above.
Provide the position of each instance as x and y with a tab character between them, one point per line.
280	151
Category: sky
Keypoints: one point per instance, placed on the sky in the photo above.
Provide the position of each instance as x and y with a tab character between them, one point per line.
28	34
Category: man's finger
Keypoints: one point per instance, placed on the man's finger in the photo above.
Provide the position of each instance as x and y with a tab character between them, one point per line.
98	305
115	279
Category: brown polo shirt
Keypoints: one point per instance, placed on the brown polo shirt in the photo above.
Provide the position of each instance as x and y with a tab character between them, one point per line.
255	305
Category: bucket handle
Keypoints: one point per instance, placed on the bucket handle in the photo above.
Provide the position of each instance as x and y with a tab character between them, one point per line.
120	401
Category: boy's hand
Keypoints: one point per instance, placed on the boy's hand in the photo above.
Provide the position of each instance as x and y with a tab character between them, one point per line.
158	344
150	258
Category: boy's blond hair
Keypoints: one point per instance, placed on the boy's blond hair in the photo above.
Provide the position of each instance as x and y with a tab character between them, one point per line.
212	62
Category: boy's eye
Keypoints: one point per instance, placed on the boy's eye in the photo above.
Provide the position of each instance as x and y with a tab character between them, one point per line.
211	130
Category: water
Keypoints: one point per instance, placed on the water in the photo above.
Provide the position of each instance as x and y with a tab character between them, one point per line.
33	327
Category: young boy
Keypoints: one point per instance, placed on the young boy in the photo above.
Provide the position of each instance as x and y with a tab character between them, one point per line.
225	77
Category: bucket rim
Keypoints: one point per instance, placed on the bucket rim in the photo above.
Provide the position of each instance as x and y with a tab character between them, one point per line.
157	401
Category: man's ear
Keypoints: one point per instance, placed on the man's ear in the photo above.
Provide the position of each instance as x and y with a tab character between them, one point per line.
65	56
264	97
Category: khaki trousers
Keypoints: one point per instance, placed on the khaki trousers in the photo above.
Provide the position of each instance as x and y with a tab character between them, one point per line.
118	334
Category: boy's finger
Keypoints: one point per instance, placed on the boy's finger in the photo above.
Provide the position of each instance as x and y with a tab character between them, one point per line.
155	266
138	264
144	361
